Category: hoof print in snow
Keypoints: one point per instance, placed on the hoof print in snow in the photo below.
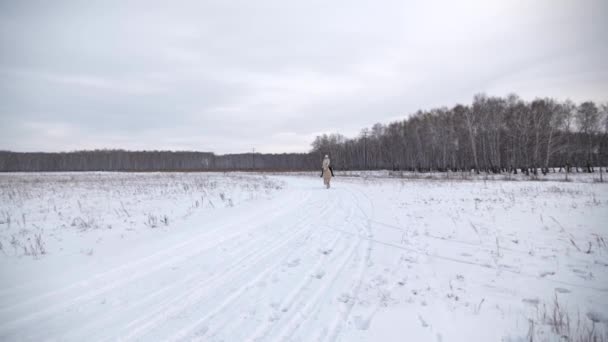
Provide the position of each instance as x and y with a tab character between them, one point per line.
452	296
531	301
379	281
274	317
344	298
293	263
361	323
544	274
562	290
202	331
326	251
583	274
319	274
401	282
423	322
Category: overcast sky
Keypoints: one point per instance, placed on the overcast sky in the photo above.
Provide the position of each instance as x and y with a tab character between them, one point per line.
228	76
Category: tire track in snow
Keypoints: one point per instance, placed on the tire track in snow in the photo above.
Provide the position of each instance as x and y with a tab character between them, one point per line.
483	247
474	264
141	326
193	279
287	303
369	313
309	275
310	304
195	297
340	319
127	267
9	325
263	296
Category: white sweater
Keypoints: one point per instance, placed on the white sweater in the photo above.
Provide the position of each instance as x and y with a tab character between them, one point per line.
325	163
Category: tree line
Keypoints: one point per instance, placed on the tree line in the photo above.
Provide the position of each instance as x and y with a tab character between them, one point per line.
120	160
493	134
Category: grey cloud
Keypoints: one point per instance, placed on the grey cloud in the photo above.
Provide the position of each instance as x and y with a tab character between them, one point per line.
229	76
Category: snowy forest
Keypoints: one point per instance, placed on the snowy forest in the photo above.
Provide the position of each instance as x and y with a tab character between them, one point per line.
493	134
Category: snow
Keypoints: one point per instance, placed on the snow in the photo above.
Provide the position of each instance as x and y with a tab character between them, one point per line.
252	257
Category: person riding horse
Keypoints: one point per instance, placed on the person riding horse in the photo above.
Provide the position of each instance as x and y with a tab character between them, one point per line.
327	172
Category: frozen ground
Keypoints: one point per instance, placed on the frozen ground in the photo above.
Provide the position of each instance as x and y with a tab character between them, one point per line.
215	257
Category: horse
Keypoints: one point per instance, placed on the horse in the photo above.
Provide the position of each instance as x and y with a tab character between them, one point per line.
327	172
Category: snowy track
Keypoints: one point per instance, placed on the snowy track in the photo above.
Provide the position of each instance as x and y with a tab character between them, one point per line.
309	264
181	292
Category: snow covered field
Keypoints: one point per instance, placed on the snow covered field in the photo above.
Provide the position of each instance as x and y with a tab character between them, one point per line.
237	257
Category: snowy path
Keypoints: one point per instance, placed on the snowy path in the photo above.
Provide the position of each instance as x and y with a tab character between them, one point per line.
310	264
287	259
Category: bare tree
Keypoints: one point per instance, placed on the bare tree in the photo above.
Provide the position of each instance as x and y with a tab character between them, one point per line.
588	119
